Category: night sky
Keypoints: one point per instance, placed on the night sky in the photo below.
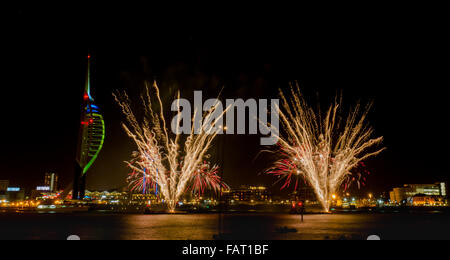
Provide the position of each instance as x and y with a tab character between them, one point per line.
394	58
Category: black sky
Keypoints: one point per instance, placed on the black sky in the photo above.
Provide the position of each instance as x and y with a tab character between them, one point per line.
394	57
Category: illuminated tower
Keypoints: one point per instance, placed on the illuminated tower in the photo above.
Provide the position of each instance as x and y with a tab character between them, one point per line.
90	139
51	180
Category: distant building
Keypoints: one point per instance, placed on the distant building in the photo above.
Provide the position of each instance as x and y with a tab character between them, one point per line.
8	194
15	194
143	199
51	180
428	200
39	192
249	194
47	191
3	189
4	185
405	194
107	195
120	197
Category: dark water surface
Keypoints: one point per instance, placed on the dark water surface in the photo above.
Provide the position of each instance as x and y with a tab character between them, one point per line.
89	226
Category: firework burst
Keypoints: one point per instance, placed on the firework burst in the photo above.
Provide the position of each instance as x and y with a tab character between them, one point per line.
322	149
207	178
140	180
160	158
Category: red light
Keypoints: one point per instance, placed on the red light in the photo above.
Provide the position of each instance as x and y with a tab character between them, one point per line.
91	121
300	204
86	96
89	56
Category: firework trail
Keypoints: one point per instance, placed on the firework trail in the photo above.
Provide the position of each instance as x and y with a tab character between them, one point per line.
160	158
322	150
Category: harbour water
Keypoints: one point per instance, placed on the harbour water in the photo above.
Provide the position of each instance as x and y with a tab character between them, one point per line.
98	226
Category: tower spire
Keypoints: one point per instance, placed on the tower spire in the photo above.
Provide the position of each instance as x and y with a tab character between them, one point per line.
91	137
87	87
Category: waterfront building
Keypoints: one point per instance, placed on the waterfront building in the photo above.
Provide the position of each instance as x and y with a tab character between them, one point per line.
251	194
106	195
14	194
3	188
51	180
143	199
422	200
405	195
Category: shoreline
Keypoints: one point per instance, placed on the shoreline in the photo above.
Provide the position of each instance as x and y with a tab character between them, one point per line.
387	210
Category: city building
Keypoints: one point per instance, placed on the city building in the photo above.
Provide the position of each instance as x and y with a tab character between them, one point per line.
3	189
107	196
428	200
249	194
51	180
405	195
45	192
120	197
143	199
10	194
15	194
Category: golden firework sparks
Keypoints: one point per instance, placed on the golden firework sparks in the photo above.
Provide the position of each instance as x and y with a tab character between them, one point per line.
321	148
162	159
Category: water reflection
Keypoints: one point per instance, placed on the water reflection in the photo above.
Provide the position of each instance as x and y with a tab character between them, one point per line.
232	226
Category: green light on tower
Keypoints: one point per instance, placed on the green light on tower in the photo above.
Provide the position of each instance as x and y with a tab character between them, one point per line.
90	140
